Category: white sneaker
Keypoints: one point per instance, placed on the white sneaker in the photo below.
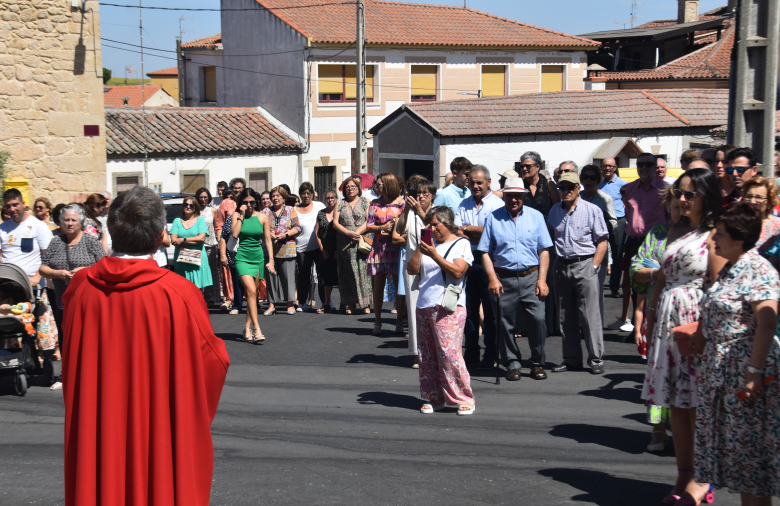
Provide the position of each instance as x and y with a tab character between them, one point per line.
627	326
616	326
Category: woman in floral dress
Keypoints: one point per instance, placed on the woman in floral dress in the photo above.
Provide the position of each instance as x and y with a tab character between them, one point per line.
212	292
687	265
737	439
383	259
350	223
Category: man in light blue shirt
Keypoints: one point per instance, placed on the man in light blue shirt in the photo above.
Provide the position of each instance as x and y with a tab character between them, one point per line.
453	194
514	252
611	185
471	216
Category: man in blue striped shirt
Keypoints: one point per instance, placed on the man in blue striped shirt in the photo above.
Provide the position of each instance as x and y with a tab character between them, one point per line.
580	236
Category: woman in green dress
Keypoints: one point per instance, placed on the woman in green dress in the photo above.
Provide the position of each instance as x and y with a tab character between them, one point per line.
251	228
189	232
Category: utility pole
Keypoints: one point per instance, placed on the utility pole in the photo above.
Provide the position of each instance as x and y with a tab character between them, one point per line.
360	99
753	96
143	92
180	72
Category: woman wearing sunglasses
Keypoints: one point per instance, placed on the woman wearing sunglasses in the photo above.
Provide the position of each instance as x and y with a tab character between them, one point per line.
94	207
189	232
252	229
208	213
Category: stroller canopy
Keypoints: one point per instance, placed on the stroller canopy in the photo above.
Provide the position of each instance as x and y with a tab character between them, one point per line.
13	275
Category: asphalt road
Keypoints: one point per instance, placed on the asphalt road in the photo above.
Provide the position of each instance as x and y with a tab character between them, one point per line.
325	413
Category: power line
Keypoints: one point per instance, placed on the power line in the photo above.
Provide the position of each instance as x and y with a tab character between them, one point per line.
258	8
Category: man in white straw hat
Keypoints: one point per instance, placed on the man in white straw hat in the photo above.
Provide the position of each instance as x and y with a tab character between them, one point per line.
580	236
514	252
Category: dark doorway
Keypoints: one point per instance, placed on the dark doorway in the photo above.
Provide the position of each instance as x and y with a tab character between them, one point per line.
421	167
323	181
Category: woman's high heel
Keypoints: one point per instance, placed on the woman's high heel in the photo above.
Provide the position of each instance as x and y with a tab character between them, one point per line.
248	334
658	447
258	335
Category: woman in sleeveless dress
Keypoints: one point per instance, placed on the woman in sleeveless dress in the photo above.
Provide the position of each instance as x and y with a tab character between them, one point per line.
251	228
689	265
212	292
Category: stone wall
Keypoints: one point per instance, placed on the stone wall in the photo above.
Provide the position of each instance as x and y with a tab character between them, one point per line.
50	87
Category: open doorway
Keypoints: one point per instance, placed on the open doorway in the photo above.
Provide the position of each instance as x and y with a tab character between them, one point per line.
421	167
324	180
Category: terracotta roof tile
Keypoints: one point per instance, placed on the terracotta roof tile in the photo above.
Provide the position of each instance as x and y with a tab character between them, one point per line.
192	130
575	111
113	96
173	71
710	62
713	14
204	42
404	24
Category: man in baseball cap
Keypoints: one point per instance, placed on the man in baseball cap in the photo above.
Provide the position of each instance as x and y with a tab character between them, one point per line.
514	253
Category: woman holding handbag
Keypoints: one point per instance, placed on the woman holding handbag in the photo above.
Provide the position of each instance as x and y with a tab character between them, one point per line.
188	235
441	314
283	222
251	229
350	223
688	265
737	441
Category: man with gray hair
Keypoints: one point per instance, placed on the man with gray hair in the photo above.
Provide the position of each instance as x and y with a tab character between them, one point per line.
125	318
471	216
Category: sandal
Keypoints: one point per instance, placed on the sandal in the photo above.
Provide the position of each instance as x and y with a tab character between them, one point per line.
429	408
708	498
399	329
258	335
248	334
468	411
416	364
377	330
270	312
320	310
658	447
233	311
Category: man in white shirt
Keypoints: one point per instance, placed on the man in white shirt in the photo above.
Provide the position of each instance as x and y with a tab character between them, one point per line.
471	216
660	171
23	238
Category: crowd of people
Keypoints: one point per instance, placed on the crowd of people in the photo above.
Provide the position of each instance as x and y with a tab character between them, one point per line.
470	269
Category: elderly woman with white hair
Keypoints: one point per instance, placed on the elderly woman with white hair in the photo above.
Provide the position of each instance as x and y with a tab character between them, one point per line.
68	253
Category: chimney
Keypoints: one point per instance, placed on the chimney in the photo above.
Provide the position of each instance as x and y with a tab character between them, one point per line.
687	11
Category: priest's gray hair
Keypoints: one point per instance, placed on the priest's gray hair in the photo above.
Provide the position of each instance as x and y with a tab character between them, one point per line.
136	219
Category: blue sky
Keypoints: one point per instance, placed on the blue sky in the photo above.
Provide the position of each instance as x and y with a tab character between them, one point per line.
162	27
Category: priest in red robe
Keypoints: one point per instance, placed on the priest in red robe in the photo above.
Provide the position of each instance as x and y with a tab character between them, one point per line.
142	373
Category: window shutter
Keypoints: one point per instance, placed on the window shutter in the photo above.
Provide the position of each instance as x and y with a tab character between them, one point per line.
125	183
350	80
192	183
210	84
423	80
330	80
369	82
552	78
493	80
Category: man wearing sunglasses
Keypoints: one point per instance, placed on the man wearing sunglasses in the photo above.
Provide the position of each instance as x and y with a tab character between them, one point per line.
611	185
579	234
742	167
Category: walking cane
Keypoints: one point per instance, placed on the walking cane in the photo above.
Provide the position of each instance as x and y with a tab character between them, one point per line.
498	333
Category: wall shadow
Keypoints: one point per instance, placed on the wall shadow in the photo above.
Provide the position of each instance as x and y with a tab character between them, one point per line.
390	400
607	490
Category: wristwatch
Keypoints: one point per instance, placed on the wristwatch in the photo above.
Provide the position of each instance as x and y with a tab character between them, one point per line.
753	370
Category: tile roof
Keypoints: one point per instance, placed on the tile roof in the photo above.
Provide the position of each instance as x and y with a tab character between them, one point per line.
714	13
204	42
192	130
725	128
710	62
572	111
406	24
173	71
113	96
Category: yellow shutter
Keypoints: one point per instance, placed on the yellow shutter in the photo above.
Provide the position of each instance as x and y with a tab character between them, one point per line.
210	84
369	82
552	78
192	183
330	80
423	80
350	73
493	79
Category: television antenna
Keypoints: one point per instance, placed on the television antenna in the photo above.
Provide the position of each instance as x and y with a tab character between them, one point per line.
633	17
184	31
129	70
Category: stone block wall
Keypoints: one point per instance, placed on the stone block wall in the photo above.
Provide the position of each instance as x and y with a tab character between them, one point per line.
50	87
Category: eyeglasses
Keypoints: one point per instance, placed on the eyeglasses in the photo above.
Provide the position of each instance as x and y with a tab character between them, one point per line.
609	166
188	206
564	171
40	208
646	164
754	198
238	188
527	165
249	202
689	195
423	194
567	188
740	170
592	177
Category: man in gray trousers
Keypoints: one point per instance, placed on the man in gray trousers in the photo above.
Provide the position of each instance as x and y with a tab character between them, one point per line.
580	236
517	239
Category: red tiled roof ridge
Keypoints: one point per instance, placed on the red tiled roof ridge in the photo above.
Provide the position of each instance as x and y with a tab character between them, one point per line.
666	107
672	63
164	72
206	41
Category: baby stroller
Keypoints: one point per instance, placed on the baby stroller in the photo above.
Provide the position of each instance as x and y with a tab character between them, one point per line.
19	356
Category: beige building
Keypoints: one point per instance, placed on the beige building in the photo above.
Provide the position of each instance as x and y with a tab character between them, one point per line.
51	98
167	79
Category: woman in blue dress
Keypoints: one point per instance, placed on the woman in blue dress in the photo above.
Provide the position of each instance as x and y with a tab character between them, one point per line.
189	232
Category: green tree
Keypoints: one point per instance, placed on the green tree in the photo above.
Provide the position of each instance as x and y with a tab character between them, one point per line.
106	75
4	157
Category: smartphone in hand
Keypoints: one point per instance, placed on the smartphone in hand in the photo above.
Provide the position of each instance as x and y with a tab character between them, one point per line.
427	236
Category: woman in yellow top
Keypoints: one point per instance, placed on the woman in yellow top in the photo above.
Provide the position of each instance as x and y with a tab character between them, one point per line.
251	228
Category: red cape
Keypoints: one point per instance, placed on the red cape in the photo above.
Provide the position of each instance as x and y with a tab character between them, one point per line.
142	376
